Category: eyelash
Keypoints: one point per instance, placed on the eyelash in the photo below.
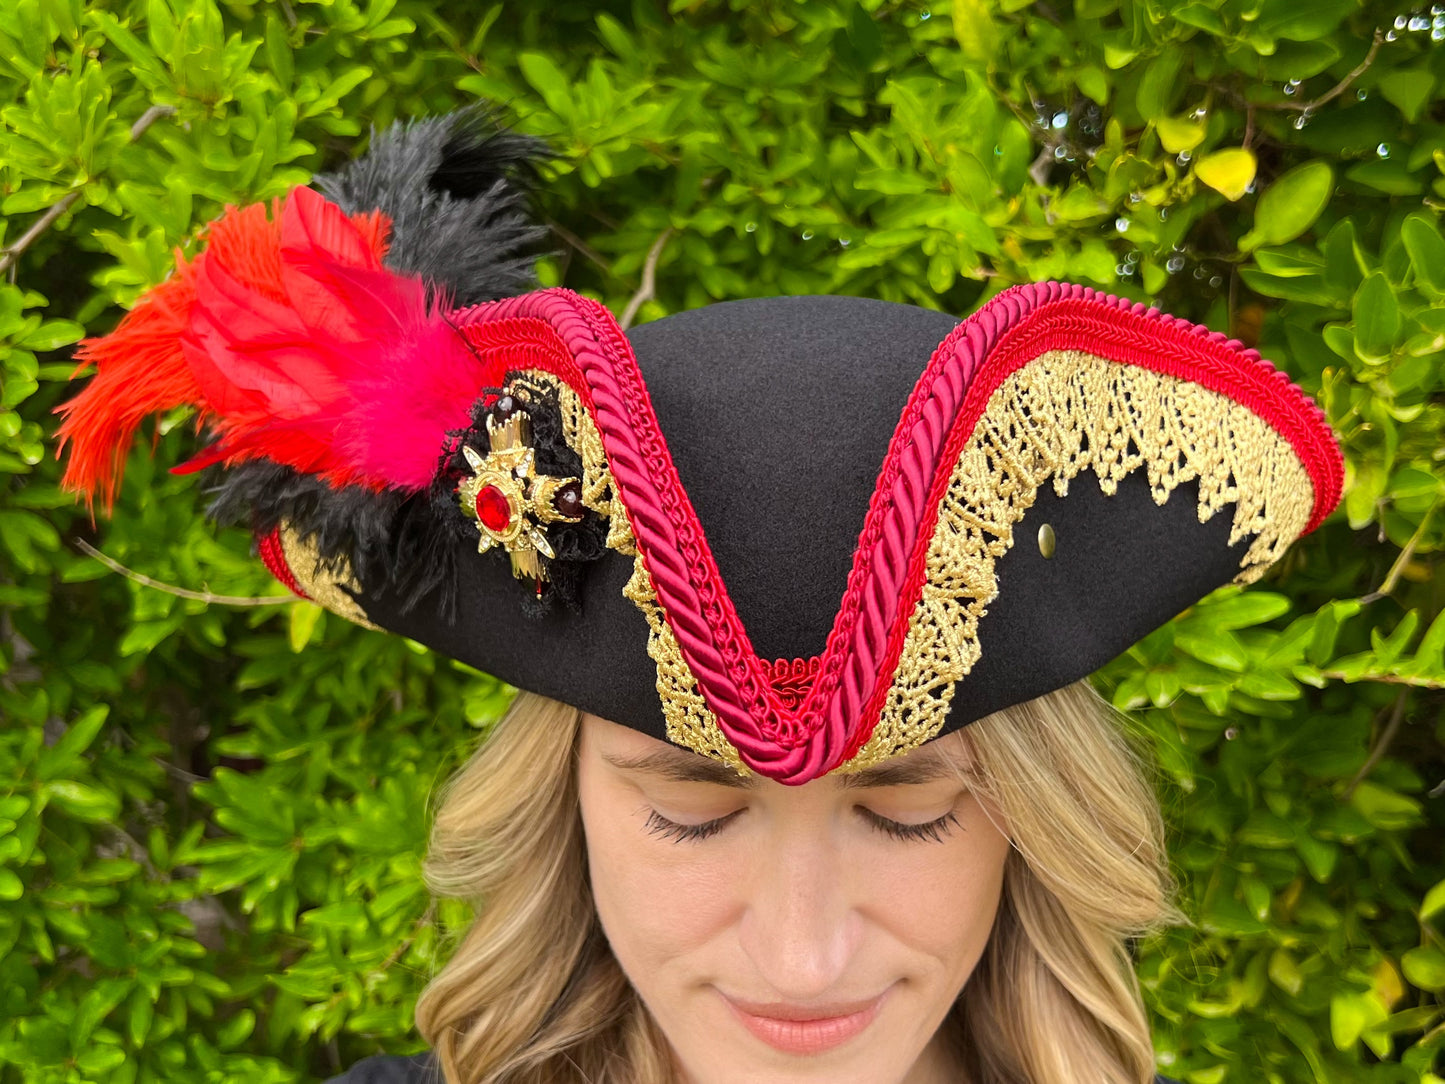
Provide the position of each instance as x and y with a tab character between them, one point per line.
934	830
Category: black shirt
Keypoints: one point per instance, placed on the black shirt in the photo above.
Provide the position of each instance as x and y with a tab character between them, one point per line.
418	1069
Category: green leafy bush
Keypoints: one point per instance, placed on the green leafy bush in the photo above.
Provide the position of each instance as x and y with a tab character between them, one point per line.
211	815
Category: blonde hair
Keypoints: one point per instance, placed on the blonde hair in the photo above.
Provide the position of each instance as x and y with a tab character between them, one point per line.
533	995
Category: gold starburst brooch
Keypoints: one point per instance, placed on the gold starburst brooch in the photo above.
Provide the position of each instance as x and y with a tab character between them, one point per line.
510	501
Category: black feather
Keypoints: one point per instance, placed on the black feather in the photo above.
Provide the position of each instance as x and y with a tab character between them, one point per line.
455	188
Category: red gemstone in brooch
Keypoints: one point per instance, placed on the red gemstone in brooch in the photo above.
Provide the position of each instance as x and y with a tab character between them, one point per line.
510	501
494	511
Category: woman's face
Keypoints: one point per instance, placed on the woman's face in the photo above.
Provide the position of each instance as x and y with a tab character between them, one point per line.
788	934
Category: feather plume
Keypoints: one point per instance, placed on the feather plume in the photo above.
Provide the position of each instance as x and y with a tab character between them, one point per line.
296	345
454	191
314	342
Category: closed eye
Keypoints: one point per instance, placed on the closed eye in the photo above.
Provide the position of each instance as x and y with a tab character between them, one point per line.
934	830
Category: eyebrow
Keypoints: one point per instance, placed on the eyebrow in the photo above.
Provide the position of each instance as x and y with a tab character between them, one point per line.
677	766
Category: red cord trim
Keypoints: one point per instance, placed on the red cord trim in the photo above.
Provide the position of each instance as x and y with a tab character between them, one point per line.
577	340
273	554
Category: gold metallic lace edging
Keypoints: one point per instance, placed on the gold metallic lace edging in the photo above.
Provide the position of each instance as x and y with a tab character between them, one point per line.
690	722
1061	414
598	492
325	582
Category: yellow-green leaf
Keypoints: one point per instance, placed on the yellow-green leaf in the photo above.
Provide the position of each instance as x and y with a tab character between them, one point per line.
1433	903
1228	172
304	616
974	28
1178	134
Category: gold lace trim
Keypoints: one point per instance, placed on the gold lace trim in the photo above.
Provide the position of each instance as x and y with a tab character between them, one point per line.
580	433
323	581
1063	413
690	722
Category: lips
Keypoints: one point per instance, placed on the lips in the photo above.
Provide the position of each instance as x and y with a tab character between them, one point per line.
805	1029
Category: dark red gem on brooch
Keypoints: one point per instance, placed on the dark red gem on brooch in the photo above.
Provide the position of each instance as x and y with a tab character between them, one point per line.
494	510
504	408
568	500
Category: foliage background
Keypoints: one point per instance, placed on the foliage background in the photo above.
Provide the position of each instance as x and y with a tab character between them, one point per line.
209	837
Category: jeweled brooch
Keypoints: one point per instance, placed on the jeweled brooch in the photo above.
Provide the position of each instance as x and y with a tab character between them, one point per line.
510	500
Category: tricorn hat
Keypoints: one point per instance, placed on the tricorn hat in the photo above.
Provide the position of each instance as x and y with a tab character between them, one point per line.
798	534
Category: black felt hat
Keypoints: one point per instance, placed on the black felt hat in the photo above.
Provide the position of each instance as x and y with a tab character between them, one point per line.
799	534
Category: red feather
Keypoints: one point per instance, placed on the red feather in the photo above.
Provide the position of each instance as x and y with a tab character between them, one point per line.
295	344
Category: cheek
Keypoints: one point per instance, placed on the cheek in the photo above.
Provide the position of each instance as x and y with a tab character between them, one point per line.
941	899
661	904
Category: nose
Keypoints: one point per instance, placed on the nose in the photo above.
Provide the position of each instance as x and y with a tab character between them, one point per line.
800	927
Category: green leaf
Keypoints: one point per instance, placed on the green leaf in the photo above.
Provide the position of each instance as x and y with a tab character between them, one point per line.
555	88
1093	81
1408	89
974	28
100	1058
138	1019
1218	648
82	802
1285	973
59	757
1327	628
1388	648
1421	235
1160	84
1303	22
237	1030
1376	317
1430	655
864	36
1290	205
1424	966
1243	609
52	335
1202	16
1343	272
1385	808
11	887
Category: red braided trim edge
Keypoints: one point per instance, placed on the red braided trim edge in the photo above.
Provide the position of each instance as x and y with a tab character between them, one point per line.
577	340
792	679
273	555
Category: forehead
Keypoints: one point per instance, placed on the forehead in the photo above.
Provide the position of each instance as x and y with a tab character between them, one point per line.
631	751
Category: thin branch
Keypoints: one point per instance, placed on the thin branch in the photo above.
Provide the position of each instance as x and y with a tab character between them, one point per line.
577	243
149	117
1039	169
1336	90
1398	568
1397	716
181	592
11	253
648	290
1232	317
